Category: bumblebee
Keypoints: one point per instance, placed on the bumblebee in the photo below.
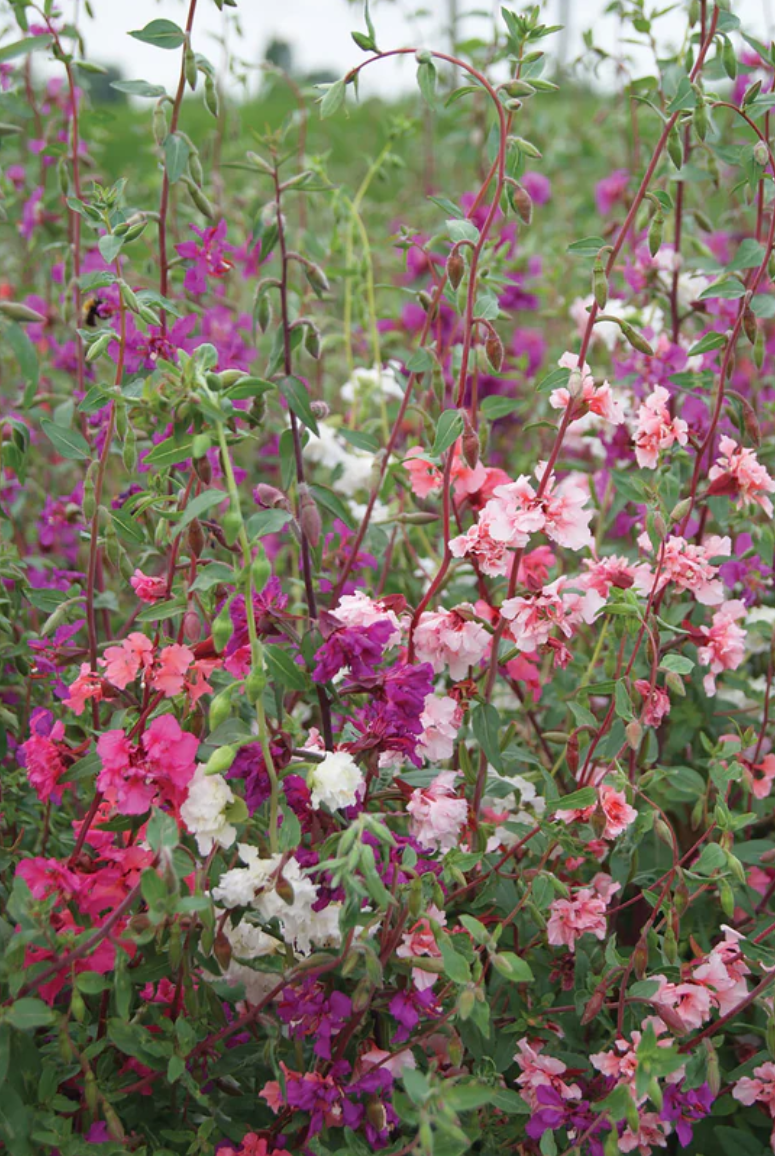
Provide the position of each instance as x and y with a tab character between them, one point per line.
90	310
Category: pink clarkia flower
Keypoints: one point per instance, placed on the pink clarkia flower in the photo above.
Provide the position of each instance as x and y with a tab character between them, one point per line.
738	471
582	396
539	1071
656	702
86	686
359	610
583	914
158	769
44	763
449	638
619	815
611	190
438	814
615	572
516	512
652	1131
148	588
491	555
425	476
759	1089
689	567
441	719
723	972
761	777
123	663
419	941
656	430
689	1002
169	675
724	647
560	604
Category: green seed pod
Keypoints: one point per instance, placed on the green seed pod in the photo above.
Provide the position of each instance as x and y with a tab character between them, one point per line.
656	233
200	445
100	346
694	12
415	897
222	629
700	120
211	96
522	202
263	312
220	760
114	1125
195	168
19	312
220	710
599	284
190	68
89	502
200	200
77	1006
129	452
175	946
635	339
675	148
317	279
160	128
729	59
121	420
726	898
90	1092
231	525
260	572
312	342
669	945
255	684
112	547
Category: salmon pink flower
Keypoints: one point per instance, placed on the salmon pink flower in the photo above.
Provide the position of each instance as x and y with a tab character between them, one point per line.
123	663
148	588
738	470
761	777
438	814
86	686
583	914
619	815
169	675
449	638
724	645
419	941
581	396
656	430
689	567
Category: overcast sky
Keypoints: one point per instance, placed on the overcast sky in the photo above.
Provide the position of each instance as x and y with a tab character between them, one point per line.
319	30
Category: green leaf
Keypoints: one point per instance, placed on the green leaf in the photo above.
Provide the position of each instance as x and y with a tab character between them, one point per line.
485	722
455	966
729	288
161	611
513	967
290	831
463	231
27	358
748	256
476	929
333	503
138	88
91	982
23	47
110	247
448	430
507	1101
161	34
557	379
295	393
67	442
708	343
685	97
169	452
282	669
622	700
214	574
678	663
587	246
496	407
577	800
267	522
176	154
162	831
426	79
29	1013
467	1097
199	506
333	99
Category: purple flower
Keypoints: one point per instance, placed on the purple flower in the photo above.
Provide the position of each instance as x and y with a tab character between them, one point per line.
32	213
207	256
752	573
610	190
357	648
407	1007
308	1011
684	1108
538	187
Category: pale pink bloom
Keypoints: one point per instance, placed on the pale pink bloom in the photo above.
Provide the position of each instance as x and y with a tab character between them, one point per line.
689	1001
619	573
124	662
758	1089
86	686
539	1071
583	396
359	610
169	675
418	941
738	470
621	1062
449	638
515	513
490	555
656	430
652	1130
724	647
724	972
466	480
656	702
619	815
584	913
689	567
761	776
560	604
425	477
196	679
534	568
441	719
148	588
393	1062
438	815
567	520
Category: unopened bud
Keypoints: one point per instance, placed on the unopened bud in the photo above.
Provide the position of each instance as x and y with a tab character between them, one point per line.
222	950
493	347
160	128
712	1071
656	233
634	734
456	268
114	1125
640	957
220	710
220	760
89	500
90	1093
599	284
231	525
192	626
317	279
312	341
470	444
309	516
211	96
634	338
662	831
726	898
523	203
16	311
222	630
761	154
466	1003
205	206
195	538
254	685
675	684
98	347
669	945
674	148
700	120
680	510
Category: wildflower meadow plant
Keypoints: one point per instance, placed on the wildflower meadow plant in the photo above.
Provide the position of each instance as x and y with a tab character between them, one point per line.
387	606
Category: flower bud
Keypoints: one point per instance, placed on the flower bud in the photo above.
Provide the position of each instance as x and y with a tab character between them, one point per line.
129	451
260	572
675	684
222	630
700	119
114	1125
269	496
470	443
680	510
203	469
189	67
712	1072
493	347
220	760
222	950
523	202
211	96
456	268
681	898
98	347
89	500
634	734
254	685
599	284
309	516
669	945
638	342
195	538
90	1093
160	129
263	312
759	349
726	898
312	341
192	626
16	311
640	958
220	710
674	147
466	1003
594	1006
231	525
195	168
656	233
761	154
200	200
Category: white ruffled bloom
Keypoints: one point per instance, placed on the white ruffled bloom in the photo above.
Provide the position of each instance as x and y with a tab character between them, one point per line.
331	450
255	886
204	811
366	382
337	781
249	942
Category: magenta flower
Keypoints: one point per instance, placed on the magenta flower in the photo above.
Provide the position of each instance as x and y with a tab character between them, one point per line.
207	256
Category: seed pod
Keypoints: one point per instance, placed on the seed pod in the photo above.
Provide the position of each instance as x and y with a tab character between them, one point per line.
220	760
77	1006
523	202
284	889
309	516
470	443
263	312
312	342
121	420
222	630
680	510
98	347
415	897
656	233
758	349
195	168
192	626
231	525
669	945
160	128
694	12
129	451
640	958
19	312
90	1093
675	148
317	279
254	686
700	119
114	1125
200	200
634	338
203	469
726	898
211	96
681	898
761	154
260	572
493	348
456	268
195	538
729	59
220	710
89	501
599	284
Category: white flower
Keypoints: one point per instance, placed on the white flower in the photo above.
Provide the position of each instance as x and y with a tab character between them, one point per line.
204	811
331	450
368	381
337	781
249	942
